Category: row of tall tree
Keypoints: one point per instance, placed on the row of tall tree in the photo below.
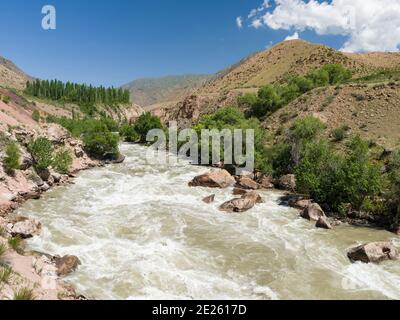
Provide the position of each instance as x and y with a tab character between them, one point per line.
76	93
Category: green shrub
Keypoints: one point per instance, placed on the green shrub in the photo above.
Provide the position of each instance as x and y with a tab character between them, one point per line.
306	129
15	243
36	116
41	150
62	161
101	145
12	159
24	294
247	100
337	73
98	135
6	99
145	123
231	118
5	274
280	159
393	195
339	134
129	133
335	178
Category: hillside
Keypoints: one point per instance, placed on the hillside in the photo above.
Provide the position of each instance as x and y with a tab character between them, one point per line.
21	106
369	110
149	91
378	74
11	76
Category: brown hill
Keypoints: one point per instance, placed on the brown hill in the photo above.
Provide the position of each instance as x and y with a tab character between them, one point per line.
294	57
11	76
371	110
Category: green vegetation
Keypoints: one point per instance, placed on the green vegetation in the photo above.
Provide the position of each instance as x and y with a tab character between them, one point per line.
99	136
382	75
335	178
12	159
36	116
232	118
5	274
101	145
24	294
128	133
339	134
144	124
394	189
41	150
338	179
273	97
62	161
15	243
87	97
6	99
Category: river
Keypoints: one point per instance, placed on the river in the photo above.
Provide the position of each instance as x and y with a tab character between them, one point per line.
142	233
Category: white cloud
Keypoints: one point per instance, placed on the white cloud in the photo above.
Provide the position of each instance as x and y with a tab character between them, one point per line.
239	22
294	36
256	23
369	25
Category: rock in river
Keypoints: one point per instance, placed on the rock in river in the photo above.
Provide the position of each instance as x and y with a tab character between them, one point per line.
66	265
246	202
323	223
247	183
214	179
209	199
374	252
313	212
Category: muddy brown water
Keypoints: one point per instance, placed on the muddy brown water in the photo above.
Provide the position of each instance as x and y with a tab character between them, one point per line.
142	233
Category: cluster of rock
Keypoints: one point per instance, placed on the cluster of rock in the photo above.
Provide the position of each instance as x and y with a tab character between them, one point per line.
246	184
245	187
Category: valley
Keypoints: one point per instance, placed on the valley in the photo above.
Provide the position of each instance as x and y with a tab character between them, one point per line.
326	181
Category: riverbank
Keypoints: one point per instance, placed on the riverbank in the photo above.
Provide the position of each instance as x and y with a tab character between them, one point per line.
142	233
24	271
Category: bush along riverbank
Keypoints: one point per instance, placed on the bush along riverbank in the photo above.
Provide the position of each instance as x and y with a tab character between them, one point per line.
35	159
353	180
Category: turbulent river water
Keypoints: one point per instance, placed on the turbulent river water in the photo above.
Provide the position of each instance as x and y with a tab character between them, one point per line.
142	233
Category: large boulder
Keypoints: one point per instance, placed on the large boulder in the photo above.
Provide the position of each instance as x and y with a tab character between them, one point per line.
24	228
313	212
214	179
373	252
246	202
287	182
323	223
247	183
66	264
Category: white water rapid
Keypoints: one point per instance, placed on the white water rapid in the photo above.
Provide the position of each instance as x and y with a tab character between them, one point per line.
142	233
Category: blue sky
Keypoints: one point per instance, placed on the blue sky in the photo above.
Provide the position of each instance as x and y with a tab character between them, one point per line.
113	42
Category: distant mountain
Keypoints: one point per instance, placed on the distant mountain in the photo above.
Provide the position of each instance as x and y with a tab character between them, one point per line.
148	91
11	76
